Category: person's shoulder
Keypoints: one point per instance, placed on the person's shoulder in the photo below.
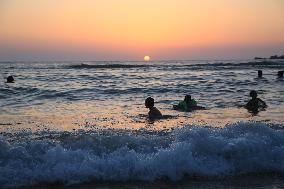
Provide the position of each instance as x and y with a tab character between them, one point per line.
260	100
156	109
156	112
249	104
262	103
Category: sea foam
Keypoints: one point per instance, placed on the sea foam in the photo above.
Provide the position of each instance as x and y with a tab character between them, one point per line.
191	151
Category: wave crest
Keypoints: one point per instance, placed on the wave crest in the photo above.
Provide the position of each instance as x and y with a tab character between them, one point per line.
101	66
142	156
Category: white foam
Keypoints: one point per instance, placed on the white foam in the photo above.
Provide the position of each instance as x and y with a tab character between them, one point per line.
191	150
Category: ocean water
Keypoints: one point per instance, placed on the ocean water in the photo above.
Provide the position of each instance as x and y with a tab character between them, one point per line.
79	122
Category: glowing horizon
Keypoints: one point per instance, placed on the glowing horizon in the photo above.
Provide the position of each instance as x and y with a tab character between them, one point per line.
127	29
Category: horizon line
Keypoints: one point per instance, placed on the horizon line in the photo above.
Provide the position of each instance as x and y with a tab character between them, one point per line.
155	60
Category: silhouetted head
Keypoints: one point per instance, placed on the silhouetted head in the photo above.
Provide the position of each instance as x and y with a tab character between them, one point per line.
280	74
253	94
149	102
10	79
259	73
187	98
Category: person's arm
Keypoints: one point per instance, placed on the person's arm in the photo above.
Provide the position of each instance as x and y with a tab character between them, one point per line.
194	102
264	104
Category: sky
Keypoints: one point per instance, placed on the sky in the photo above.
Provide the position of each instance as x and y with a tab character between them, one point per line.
130	29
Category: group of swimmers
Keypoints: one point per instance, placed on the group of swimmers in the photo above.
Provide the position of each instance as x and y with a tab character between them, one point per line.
189	104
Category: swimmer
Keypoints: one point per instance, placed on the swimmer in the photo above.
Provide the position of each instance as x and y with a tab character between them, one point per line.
188	104
10	79
255	103
154	112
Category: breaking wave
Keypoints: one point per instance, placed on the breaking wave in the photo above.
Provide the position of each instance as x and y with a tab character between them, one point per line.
119	155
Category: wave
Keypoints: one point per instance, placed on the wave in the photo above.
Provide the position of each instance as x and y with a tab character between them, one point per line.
116	155
194	65
101	66
183	65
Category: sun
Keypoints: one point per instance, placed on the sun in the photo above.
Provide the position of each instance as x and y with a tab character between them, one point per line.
146	58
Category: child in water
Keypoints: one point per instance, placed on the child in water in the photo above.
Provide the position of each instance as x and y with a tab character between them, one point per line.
188	104
255	103
154	112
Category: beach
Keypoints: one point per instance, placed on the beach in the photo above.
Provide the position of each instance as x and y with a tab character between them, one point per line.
85	125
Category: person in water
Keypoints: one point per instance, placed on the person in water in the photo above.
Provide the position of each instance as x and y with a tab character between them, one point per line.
255	103
188	104
10	79
154	112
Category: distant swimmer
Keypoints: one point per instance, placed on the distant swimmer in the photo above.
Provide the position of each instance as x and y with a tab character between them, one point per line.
254	104
10	79
154	112
188	104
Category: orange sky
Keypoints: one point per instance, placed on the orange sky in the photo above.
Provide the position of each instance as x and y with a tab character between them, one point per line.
130	29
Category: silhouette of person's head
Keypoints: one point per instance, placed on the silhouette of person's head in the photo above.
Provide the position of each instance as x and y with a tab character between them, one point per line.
259	72
253	94
149	102
187	98
10	79
280	74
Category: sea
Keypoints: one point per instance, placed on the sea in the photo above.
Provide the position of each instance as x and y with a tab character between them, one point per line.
83	124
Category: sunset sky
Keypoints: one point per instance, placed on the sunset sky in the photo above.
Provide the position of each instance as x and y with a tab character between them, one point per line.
130	29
